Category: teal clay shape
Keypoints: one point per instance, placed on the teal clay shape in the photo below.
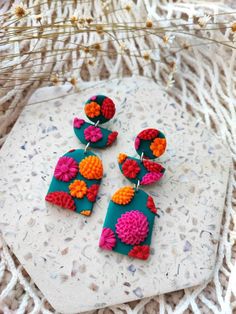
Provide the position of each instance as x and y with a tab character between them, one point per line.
129	223
137	171
76	180
99	108
96	136
150	143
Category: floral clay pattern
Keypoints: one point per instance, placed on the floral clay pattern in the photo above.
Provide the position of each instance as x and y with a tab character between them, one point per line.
78	173
99	109
76	182
131	213
145	172
151	143
128	227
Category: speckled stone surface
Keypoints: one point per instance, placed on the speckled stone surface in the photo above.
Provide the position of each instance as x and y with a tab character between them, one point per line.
59	249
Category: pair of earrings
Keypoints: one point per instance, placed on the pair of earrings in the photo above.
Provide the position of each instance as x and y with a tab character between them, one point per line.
131	213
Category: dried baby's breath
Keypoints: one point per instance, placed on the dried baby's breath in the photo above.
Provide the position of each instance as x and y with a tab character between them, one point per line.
74	19
146	56
233	27
149	23
202	21
115	38
19	10
128	7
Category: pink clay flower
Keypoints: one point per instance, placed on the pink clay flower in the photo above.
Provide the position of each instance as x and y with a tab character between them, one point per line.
66	169
151	177
78	123
107	239
132	227
92	134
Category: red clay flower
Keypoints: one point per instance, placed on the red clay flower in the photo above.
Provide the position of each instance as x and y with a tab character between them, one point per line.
152	166
148	134
108	108
140	251
92	192
151	205
61	199
130	168
111	138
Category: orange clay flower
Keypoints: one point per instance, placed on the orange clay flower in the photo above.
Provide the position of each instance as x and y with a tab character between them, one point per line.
123	196
92	109
91	168
78	188
121	158
158	146
86	212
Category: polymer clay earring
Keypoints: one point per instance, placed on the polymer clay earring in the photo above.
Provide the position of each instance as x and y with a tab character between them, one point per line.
78	173
131	212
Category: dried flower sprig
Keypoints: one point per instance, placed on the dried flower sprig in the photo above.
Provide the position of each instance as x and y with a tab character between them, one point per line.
47	37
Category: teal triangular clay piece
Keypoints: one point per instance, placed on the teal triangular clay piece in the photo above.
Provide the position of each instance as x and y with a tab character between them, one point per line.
96	136
76	180
129	223
143	172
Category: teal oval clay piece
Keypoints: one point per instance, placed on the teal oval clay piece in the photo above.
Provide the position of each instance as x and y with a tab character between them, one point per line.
76	180
99	108
143	171
129	223
151	143
96	136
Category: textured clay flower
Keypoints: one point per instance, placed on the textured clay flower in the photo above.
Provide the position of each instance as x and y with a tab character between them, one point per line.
123	196
66	169
92	134
78	123
107	239
92	192
151	177
130	168
152	166
61	199
132	227
148	134
78	188
137	143
92	109
111	138
108	108
121	158
158	146
151	205
140	251
91	168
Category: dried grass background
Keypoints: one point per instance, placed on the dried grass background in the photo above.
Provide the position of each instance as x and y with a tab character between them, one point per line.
187	47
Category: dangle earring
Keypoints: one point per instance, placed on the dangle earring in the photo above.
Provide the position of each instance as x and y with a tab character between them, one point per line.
131	212
78	173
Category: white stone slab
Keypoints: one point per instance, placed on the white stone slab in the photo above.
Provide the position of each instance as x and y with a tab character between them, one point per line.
59	249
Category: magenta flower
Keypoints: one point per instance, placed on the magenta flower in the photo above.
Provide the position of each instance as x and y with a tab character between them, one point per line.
132	227
151	177
66	169
92	134
78	123
137	143
107	239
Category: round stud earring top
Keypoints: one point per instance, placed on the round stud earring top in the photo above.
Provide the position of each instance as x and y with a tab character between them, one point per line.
150	143
99	108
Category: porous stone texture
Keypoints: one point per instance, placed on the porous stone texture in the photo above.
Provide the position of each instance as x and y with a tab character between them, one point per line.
59	249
